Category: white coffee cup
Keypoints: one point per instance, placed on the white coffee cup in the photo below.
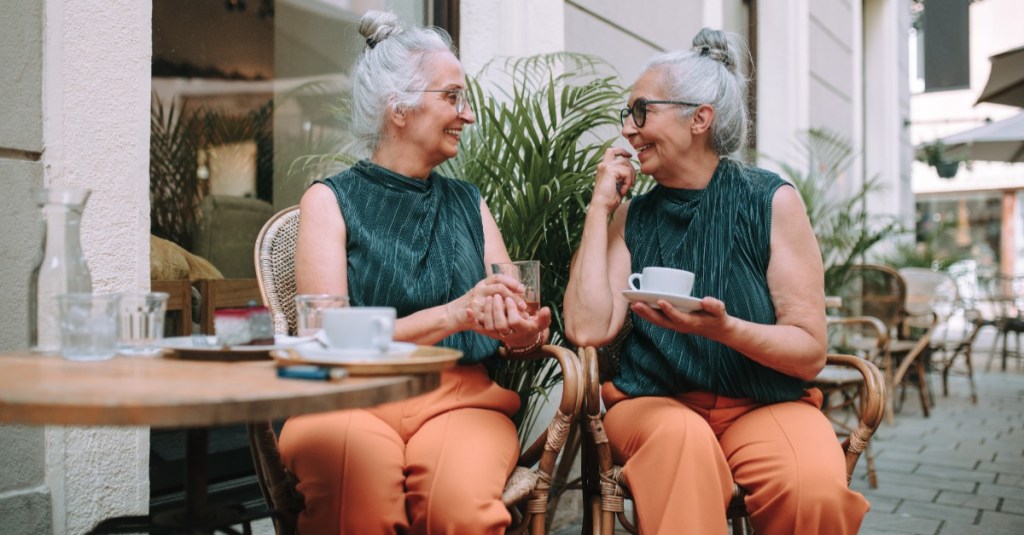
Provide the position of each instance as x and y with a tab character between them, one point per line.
364	328
663	280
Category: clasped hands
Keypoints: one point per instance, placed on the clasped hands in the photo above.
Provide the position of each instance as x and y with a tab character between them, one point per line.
495	307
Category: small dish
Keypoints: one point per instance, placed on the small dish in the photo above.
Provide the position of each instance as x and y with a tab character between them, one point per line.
399	360
202	347
681	302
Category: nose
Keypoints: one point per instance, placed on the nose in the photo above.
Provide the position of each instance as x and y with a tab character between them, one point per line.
467	114
628	127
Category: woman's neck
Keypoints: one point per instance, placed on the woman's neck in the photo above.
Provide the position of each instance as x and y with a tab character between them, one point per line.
693	171
402	160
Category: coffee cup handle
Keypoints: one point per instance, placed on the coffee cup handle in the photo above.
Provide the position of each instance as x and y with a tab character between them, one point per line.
382	337
634	281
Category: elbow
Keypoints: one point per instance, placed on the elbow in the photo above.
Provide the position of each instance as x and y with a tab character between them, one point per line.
814	367
582	337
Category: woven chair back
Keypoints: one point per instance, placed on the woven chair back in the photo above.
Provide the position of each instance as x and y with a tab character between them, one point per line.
275	267
930	292
877	291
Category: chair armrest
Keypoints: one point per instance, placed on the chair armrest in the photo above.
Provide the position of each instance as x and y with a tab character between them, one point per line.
549	444
871	410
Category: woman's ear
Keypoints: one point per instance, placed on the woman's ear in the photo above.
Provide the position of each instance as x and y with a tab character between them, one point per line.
701	119
396	115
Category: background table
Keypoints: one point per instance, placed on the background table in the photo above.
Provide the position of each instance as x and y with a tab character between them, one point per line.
168	392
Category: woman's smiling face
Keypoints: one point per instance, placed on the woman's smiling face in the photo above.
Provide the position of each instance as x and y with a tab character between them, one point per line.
665	136
435	124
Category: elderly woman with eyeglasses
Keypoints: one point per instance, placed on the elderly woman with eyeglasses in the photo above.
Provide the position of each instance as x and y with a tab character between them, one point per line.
716	395
390	231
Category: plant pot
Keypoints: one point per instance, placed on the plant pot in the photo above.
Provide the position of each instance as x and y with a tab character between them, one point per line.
947	169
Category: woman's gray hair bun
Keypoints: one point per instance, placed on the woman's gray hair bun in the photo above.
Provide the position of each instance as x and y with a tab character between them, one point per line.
377	26
714	44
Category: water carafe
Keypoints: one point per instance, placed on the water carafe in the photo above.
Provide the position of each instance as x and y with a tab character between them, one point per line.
61	268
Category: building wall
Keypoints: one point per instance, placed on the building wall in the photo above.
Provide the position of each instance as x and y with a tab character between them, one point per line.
75	88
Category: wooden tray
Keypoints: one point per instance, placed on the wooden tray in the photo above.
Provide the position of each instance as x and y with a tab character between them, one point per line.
424	359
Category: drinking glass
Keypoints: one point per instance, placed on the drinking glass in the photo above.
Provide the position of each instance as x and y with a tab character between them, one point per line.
528	273
308	308
88	325
141	325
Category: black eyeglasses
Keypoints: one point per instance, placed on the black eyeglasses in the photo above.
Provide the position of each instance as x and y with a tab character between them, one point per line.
639	110
457	97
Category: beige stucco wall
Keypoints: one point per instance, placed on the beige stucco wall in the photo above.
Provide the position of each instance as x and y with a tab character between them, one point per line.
75	113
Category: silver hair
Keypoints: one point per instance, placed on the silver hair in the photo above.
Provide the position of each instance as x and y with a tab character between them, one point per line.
708	73
390	71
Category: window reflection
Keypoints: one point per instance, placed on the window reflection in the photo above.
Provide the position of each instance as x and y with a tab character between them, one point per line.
242	89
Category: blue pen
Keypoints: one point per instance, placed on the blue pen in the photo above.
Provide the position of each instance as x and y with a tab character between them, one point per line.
315	373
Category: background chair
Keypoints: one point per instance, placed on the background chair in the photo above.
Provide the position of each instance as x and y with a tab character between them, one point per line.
605	489
881	292
526	491
1003	297
936	294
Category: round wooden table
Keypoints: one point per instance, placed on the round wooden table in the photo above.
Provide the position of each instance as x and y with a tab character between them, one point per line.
169	392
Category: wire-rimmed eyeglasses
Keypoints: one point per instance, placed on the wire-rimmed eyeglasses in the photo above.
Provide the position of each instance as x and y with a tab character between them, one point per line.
456	97
639	110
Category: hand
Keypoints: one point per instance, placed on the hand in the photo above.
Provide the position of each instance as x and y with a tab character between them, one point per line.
615	176
510	323
710	322
471	311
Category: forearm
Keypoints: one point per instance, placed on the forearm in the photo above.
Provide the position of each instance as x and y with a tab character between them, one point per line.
426	327
588	304
789	349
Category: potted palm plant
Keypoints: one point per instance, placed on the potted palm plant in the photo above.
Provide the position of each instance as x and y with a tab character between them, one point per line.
533	153
937	155
846	231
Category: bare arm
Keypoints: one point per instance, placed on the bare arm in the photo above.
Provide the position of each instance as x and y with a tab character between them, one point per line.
796	344
593	306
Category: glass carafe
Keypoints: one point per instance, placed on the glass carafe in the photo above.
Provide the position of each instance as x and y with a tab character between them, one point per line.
61	268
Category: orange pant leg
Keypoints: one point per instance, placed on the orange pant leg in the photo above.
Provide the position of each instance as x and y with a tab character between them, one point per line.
350	470
788	459
673	464
458	463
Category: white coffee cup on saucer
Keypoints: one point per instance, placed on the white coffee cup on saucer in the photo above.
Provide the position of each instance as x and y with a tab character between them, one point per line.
358	328
662	280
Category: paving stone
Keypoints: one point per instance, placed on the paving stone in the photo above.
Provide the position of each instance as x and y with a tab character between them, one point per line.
972	501
952	528
1002	521
962	515
896	523
945	472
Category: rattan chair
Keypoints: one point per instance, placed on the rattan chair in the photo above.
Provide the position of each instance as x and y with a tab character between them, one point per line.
881	292
842	387
936	293
605	489
526	491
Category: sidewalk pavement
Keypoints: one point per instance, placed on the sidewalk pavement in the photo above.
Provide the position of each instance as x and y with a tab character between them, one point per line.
958	472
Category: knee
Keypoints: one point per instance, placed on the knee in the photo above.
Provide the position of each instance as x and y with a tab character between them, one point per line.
816	499
313	441
460	511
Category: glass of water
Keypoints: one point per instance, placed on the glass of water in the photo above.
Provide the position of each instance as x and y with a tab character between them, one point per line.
141	323
88	325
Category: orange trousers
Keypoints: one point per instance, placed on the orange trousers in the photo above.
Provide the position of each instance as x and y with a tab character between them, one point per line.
433	464
681	455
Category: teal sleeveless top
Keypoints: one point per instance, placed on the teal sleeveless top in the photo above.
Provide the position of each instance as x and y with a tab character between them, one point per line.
413	244
723	234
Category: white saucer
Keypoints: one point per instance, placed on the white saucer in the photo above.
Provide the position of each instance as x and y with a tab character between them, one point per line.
316	352
681	302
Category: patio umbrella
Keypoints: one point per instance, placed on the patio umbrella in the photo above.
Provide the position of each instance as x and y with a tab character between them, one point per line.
1006	79
1001	141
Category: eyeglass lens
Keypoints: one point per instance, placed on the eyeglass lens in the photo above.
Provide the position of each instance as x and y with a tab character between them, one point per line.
638	110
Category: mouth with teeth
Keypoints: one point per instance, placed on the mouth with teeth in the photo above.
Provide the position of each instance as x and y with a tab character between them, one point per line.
640	150
453	132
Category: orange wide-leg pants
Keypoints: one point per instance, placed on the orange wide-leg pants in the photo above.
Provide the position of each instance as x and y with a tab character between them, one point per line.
681	455
433	464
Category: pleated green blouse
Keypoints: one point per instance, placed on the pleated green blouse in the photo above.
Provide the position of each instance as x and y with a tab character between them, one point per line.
413	244
723	234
